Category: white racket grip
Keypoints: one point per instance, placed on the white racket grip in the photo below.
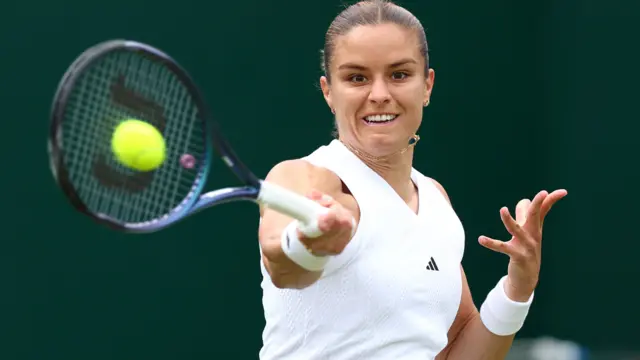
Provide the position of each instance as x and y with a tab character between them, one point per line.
289	203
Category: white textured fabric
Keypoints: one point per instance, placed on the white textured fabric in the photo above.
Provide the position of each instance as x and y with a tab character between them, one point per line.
378	299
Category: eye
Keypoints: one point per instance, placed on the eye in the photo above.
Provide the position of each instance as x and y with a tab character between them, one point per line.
399	75
357	78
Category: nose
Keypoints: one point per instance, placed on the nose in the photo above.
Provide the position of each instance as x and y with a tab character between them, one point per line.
379	92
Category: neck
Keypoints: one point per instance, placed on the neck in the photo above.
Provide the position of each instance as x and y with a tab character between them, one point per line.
394	168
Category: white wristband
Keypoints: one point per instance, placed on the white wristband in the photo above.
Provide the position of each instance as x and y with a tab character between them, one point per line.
501	315
297	252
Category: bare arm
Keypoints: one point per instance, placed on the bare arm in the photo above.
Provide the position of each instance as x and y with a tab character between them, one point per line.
469	339
300	177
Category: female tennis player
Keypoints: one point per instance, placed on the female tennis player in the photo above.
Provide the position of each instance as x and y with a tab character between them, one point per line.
385	280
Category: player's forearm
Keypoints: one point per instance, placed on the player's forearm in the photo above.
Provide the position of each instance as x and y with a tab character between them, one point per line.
284	273
475	342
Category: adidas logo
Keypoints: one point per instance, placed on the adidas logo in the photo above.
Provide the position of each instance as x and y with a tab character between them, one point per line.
432	265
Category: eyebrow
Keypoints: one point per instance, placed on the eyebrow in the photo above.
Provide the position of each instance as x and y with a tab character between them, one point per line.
360	67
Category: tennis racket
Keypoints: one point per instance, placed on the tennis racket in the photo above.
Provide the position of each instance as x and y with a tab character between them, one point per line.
117	80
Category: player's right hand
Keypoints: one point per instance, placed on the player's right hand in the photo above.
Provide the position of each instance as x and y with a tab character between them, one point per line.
337	226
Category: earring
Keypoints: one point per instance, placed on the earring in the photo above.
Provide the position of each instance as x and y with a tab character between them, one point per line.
426	103
333	111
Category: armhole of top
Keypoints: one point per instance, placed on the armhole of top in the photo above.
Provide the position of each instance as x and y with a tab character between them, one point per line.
435	190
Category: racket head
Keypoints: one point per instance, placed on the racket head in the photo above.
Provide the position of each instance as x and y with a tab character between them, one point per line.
110	82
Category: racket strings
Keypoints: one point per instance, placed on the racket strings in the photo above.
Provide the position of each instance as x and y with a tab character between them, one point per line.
90	119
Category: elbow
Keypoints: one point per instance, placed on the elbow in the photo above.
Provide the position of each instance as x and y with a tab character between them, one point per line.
278	283
282	278
281	282
293	281
277	280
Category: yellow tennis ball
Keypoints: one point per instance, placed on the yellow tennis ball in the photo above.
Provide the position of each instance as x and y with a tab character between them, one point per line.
138	145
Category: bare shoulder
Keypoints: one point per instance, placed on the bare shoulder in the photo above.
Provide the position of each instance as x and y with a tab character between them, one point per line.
301	176
442	190
301	173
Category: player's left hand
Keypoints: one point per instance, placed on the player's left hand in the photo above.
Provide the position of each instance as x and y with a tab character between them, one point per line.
525	247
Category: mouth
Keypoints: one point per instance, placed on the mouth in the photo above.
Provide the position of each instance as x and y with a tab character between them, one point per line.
379	119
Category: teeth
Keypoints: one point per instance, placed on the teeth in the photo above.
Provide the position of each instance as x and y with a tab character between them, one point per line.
378	118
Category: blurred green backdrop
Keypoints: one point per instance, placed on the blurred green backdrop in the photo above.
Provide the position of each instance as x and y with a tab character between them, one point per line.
528	96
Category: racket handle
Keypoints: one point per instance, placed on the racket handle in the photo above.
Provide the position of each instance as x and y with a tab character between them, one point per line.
289	203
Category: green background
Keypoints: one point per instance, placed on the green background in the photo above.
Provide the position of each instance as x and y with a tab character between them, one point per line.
528	96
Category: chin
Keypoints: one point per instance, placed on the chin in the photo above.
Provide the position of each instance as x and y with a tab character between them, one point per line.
380	144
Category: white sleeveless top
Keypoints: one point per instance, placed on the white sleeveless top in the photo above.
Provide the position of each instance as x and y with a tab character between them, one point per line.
392	294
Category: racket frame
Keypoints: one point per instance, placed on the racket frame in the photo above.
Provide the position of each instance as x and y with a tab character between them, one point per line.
256	190
55	144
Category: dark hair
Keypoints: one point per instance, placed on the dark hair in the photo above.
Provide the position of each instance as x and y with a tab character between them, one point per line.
371	12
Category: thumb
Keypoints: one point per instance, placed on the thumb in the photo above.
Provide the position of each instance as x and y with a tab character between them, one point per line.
521	211
314	195
327	221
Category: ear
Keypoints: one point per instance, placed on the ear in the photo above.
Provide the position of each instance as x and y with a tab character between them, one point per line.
428	84
326	91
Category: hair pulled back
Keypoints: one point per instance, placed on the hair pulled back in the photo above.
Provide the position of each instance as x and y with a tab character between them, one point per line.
371	12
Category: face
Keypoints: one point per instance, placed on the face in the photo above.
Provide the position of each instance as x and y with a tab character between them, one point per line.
378	87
